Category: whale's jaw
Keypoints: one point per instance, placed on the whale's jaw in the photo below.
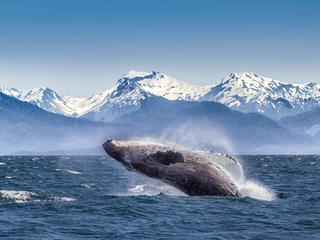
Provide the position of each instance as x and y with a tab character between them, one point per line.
117	152
113	151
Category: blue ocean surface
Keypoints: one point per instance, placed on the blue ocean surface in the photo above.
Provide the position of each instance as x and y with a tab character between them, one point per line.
81	197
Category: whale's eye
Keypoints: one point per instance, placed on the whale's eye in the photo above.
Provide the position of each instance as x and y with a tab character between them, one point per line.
167	158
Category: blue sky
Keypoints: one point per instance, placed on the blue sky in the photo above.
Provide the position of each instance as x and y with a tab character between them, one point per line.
80	47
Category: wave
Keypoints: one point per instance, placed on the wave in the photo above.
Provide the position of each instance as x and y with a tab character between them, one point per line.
87	185
26	196
154	189
17	196
69	171
254	189
61	199
150	187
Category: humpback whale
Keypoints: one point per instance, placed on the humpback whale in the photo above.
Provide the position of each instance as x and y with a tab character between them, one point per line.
195	173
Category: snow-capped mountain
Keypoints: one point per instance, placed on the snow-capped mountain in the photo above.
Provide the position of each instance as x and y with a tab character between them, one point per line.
249	92
245	91
48	100
11	92
124	97
51	101
28	128
170	88
133	88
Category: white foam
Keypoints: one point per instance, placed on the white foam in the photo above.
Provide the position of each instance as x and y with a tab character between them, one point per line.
17	196
254	189
26	196
2	163
246	187
87	185
154	189
249	187
69	171
62	199
72	171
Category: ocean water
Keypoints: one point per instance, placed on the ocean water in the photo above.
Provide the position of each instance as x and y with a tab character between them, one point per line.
72	197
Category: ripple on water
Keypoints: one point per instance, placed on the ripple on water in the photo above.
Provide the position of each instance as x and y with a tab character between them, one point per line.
69	171
43	203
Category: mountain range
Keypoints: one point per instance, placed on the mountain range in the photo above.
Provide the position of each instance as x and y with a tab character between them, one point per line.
246	92
28	128
243	113
210	125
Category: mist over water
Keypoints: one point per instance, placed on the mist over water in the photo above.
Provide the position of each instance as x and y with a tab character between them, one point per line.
199	136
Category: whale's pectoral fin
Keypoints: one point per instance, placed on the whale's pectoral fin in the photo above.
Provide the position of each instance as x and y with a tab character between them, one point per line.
166	158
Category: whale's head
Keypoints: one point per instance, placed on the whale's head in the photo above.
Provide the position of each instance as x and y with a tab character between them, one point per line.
144	158
117	151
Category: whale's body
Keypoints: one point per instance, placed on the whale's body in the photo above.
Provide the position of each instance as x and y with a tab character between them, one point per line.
195	173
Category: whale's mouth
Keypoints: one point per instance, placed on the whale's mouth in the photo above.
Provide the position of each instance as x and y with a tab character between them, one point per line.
113	150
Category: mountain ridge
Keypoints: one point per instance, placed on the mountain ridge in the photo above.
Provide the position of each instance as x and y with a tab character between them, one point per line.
244	91
27	128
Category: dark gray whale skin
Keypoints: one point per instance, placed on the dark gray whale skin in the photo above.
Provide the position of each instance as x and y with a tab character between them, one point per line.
185	170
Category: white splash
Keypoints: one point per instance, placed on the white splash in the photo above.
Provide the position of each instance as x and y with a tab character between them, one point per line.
154	189
73	172
17	196
254	189
248	187
87	185
69	171
26	196
62	199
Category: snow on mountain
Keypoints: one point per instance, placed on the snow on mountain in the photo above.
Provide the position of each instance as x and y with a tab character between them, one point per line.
125	97
28	128
244	91
249	92
48	100
51	101
11	91
136	86
165	86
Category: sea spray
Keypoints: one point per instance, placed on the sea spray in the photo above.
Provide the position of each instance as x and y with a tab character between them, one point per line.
247	187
